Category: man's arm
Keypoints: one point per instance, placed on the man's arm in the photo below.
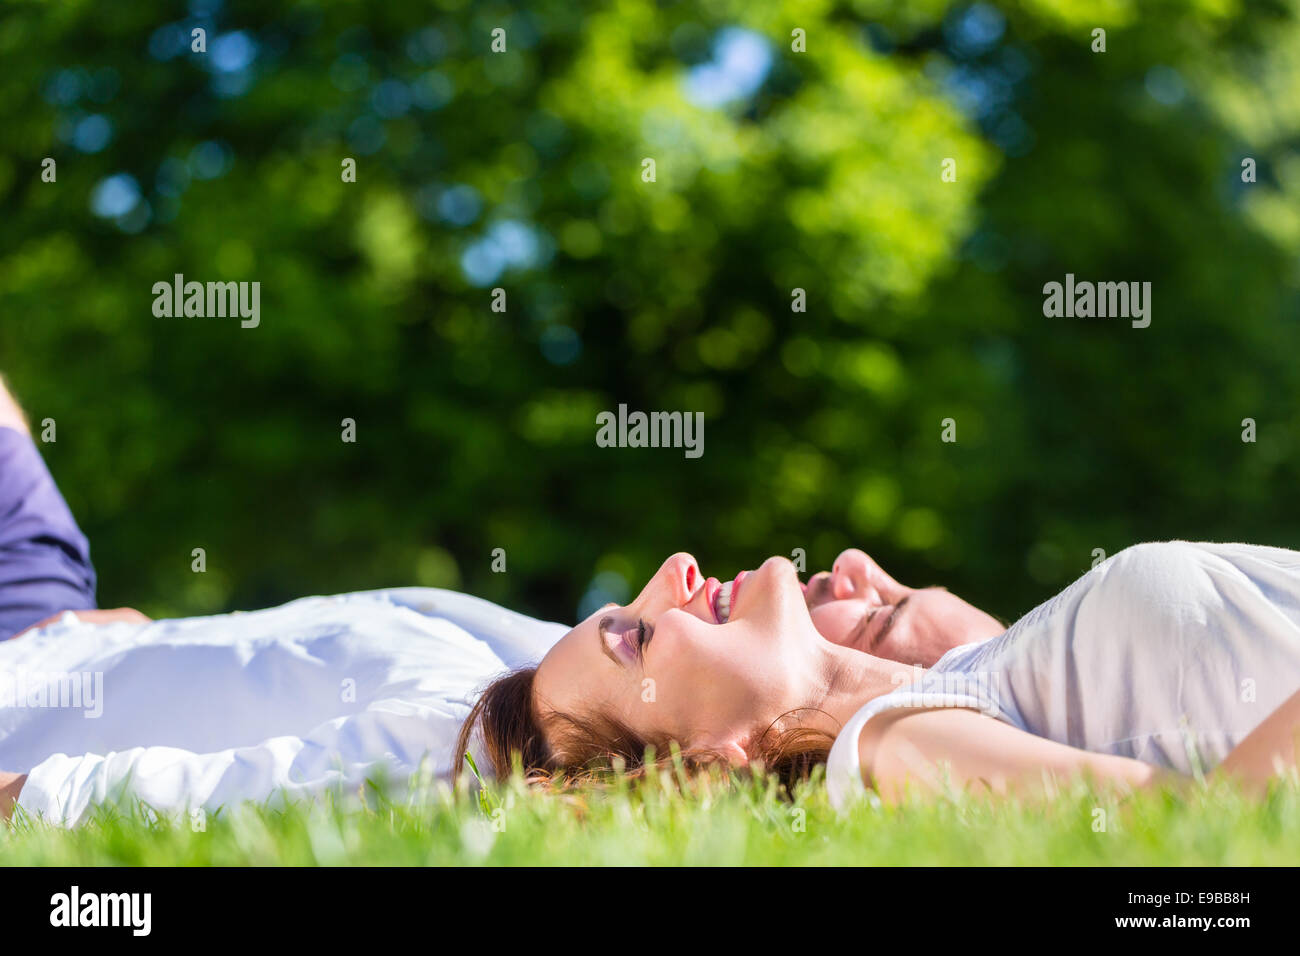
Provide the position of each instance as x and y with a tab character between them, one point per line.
11	784
108	616
338	756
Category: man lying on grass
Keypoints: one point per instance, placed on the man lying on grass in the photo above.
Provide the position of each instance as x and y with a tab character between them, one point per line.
322	694
1166	661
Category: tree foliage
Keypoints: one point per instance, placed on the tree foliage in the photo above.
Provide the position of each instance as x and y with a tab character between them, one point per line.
775	170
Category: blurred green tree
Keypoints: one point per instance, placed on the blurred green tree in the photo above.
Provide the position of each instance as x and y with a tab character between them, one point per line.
776	168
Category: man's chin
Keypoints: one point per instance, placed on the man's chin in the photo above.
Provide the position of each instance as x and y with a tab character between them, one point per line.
903	652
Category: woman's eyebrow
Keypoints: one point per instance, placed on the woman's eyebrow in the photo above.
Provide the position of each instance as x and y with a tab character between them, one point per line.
604	645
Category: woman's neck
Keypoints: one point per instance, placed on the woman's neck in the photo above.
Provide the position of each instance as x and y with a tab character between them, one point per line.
853	678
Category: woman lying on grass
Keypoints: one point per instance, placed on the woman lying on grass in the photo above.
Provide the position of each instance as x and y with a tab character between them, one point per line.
1166	661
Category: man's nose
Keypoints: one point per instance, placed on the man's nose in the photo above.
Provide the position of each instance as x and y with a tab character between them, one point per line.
842	584
850	577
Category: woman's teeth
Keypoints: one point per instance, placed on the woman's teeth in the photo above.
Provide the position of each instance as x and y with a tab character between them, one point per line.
723	602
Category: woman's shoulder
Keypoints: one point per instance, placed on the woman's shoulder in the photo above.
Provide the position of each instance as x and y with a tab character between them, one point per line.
1177	582
960	688
1142	580
1161	561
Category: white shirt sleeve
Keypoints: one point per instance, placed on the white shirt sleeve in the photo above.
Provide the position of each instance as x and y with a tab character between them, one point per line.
844	785
390	738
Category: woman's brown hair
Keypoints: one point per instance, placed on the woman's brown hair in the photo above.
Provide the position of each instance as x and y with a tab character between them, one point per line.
584	747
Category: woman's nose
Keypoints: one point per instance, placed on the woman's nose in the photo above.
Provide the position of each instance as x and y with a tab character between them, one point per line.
679	578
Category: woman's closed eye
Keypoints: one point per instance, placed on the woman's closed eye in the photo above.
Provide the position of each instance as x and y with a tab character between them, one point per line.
643	634
631	640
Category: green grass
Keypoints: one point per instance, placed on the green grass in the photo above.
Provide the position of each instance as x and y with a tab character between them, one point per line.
710	822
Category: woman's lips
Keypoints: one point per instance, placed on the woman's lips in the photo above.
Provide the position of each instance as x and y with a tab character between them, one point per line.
735	592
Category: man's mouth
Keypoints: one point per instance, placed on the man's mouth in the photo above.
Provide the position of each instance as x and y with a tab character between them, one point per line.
817	591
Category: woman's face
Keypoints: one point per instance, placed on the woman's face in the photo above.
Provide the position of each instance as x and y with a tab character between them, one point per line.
858	605
710	665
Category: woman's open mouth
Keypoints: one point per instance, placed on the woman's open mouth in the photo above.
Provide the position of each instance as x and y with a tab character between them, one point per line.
723	598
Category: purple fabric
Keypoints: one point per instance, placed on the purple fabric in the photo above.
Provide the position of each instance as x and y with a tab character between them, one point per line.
44	558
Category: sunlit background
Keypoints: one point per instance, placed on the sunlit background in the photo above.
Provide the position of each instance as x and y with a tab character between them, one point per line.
775	170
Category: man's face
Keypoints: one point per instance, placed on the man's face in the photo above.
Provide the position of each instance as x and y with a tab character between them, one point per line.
858	605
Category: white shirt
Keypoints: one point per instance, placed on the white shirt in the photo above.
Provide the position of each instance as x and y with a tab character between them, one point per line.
1169	653
294	700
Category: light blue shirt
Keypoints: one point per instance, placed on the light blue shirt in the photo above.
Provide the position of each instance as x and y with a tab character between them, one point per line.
322	692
